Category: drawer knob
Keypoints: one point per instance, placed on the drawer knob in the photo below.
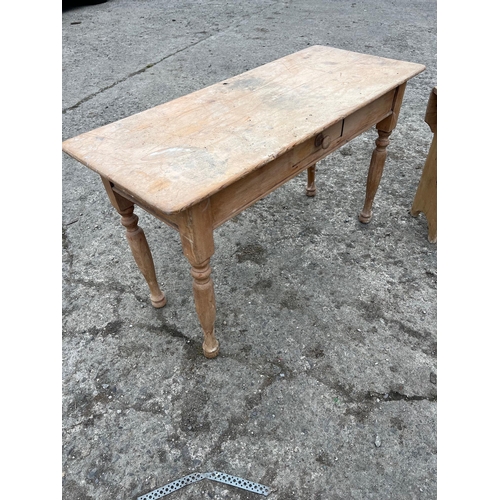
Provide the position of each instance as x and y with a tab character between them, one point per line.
322	140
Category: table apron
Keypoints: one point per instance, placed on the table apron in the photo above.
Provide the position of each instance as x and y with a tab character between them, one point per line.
169	219
245	192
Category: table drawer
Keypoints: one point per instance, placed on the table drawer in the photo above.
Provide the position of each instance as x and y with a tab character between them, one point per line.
254	186
317	147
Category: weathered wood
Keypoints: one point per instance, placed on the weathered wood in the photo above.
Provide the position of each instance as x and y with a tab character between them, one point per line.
379	155
127	199
311	181
388	124
374	174
199	160
369	115
176	154
426	196
195	227
431	111
138	243
243	193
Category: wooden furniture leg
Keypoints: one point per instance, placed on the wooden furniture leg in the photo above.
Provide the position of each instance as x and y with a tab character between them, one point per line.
311	181
196	230
426	196
374	174
138	244
384	128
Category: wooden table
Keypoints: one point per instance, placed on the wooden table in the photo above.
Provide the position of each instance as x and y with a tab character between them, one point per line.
201	159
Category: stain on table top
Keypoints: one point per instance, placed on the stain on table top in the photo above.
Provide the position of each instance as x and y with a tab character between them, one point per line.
173	155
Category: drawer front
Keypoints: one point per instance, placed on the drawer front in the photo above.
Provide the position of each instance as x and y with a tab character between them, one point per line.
317	147
253	187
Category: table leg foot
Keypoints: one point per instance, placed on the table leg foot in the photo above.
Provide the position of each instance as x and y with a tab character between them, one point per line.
365	218
159	301
212	351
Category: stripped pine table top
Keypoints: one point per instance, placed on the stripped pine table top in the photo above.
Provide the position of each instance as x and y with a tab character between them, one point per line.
176	154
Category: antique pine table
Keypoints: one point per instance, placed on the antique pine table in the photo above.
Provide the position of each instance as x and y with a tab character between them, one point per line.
201	159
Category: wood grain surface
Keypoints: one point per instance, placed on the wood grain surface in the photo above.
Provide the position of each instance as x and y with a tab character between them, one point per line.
172	156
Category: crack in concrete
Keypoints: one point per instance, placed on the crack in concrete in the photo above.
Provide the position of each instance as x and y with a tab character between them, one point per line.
130	75
151	65
352	397
397	396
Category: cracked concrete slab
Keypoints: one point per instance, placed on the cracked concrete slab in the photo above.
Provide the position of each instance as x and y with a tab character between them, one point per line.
326	385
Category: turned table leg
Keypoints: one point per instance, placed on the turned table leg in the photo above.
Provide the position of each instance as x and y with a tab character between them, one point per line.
196	230
138	244
384	129
374	174
204	299
311	180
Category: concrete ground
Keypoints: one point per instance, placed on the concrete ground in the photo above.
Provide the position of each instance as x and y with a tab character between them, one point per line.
326	384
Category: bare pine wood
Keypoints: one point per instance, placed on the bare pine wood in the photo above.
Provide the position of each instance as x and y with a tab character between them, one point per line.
311	181
426	196
199	160
374	174
243	193
142	255
379	155
246	191
137	242
431	111
176	154
370	114
389	124
195	227
113	192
